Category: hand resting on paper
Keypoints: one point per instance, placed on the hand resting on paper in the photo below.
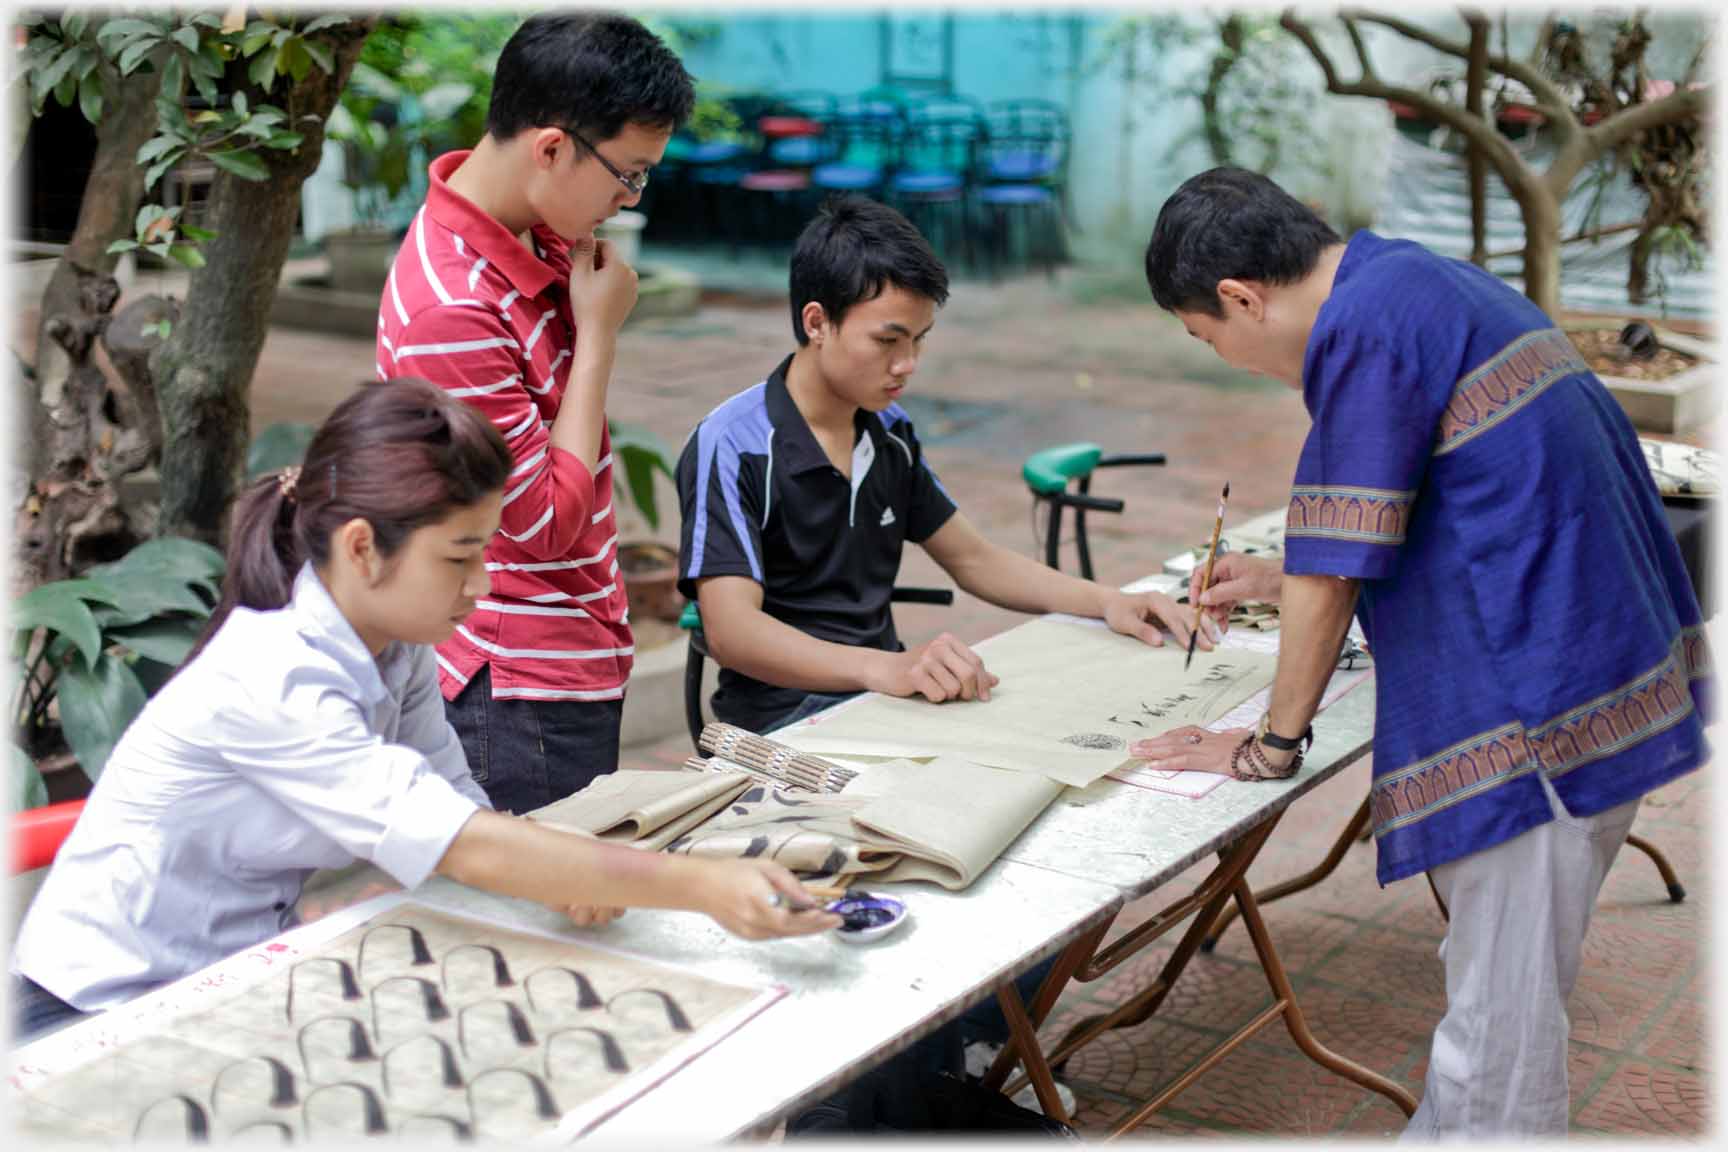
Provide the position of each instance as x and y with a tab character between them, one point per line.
1190	749
1237	579
943	669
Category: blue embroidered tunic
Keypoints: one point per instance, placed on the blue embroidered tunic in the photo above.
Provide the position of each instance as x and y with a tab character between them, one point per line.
1524	598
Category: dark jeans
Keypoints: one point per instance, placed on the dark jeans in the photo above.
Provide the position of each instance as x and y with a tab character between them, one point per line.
527	753
808	707
37	1011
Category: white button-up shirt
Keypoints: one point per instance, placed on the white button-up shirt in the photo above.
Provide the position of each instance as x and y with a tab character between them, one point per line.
281	749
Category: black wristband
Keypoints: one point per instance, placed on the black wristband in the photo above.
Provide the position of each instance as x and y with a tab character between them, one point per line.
1284	743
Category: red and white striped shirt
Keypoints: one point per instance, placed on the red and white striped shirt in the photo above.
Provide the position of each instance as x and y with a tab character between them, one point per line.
471	309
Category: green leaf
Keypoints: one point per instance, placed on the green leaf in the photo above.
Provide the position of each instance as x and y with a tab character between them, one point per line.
122	246
63	607
155	171
642	454
188	255
296	61
242	164
67	89
154	147
73	24
254	41
124	27
135	54
240	106
323	22
25	787
97	705
285	140
173	76
166	641
262	70
57	71
276	447
90	97
193	232
206	86
321	55
186	37
160	248
191	560
442	101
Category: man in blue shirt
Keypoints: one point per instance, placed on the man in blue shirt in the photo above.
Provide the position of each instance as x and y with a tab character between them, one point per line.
1472	492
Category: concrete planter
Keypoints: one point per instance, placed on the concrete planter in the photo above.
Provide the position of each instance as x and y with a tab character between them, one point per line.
318	305
360	260
1672	404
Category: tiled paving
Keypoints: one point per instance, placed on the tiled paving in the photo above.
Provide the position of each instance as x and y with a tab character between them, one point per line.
1032	363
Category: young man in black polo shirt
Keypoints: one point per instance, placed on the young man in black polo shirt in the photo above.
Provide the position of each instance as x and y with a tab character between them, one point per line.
798	494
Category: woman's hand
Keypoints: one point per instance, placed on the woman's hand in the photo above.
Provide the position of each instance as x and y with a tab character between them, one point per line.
759	900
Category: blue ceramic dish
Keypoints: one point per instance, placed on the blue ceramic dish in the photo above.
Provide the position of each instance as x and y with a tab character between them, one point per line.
867	917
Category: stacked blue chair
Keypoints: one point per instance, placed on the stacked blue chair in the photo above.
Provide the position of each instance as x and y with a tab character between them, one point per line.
938	170
868	133
1025	177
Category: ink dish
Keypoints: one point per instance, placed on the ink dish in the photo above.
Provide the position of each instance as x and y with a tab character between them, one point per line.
866	917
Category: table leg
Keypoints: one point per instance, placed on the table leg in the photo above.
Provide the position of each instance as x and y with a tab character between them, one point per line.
1356	830
1025	1038
1227	880
1064	969
1676	892
1298	1024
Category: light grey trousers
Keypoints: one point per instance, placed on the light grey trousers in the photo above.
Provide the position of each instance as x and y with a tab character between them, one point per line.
1517	916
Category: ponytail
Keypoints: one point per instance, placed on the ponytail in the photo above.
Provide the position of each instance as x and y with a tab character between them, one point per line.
399	454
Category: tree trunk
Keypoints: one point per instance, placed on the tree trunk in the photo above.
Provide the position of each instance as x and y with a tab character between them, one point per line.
1541	211
105	215
1638	267
1230	53
204	373
71	515
110	203
1476	78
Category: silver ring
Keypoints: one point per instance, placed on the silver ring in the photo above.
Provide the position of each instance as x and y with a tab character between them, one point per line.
775	900
1192	737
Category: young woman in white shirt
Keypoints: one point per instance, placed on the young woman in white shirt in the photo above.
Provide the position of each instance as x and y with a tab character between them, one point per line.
307	730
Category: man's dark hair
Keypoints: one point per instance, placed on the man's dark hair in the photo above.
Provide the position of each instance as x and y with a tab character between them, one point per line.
593	73
1230	224
851	251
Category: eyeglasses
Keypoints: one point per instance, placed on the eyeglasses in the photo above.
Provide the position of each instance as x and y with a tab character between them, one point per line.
633	183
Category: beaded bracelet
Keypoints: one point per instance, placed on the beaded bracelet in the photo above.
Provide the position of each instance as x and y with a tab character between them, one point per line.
1258	767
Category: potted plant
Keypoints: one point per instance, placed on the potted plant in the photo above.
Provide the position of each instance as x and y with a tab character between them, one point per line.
419	89
650	568
89	650
383	129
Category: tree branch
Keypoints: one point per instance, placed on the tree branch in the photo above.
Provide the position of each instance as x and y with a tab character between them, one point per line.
1549	98
1475	129
1361	47
1681	104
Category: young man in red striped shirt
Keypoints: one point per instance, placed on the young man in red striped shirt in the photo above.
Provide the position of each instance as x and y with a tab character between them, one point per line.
501	294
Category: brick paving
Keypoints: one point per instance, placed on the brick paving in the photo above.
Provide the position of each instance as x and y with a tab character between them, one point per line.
1033	363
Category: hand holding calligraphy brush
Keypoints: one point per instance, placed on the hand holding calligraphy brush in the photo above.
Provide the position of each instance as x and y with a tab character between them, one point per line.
1206	577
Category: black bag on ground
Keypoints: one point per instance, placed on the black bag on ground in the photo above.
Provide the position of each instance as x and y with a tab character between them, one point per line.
886	1100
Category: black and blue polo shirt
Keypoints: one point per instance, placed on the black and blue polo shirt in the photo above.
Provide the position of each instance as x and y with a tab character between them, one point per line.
761	499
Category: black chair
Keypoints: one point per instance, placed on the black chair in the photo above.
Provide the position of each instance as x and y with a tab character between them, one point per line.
691	621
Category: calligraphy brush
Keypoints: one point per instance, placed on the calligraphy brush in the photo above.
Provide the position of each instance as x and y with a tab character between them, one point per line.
1206	577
